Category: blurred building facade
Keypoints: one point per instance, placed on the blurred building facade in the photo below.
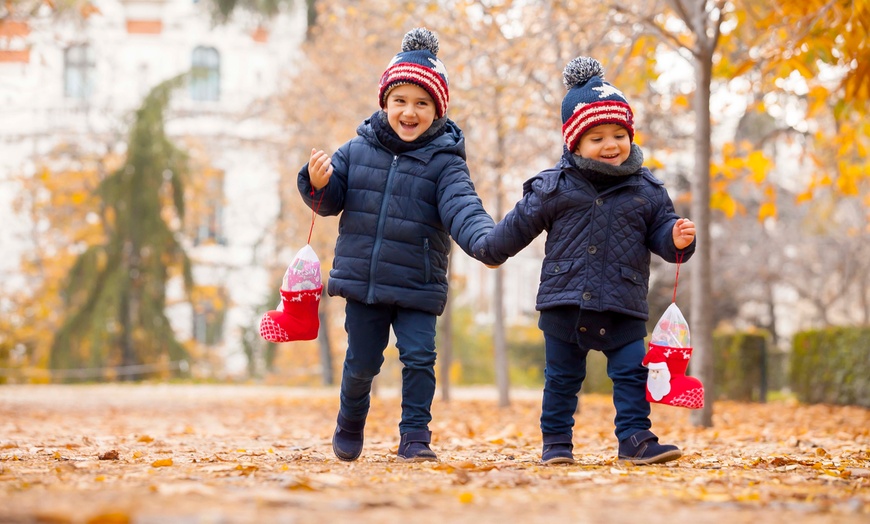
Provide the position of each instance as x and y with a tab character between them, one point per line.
79	80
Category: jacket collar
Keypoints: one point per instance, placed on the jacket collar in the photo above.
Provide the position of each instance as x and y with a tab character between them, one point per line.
568	166
451	141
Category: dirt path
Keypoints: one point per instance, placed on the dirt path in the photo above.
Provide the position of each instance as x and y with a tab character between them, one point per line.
251	454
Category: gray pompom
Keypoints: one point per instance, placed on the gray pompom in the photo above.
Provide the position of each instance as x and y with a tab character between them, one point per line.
580	70
420	38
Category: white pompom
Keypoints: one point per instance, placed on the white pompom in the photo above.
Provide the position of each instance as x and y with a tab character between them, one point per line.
420	39
580	70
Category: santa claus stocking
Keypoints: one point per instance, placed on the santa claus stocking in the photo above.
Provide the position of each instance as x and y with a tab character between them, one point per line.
295	319
667	382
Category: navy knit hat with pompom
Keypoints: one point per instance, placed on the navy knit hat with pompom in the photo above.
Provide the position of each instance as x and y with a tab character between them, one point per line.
417	64
591	101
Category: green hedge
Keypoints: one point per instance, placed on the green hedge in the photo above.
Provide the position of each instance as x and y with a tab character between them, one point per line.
832	366
740	366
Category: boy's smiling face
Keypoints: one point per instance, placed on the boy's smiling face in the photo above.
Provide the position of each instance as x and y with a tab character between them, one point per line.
410	111
608	143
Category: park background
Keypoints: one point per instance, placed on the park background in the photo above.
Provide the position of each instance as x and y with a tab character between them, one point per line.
148	156
149	149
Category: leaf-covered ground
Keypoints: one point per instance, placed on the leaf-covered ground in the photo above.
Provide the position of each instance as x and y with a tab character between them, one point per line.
226	454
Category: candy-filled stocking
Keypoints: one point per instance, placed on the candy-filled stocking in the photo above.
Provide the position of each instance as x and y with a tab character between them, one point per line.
296	317
668	359
667	382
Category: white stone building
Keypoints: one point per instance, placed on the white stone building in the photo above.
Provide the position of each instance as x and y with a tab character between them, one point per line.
72	80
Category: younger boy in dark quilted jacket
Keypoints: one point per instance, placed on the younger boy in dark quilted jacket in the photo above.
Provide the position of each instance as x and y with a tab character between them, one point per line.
604	214
403	190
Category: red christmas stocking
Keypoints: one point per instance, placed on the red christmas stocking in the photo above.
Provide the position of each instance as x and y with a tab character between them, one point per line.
667	382
296	319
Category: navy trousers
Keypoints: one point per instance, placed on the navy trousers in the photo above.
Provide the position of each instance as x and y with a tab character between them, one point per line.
368	332
564	374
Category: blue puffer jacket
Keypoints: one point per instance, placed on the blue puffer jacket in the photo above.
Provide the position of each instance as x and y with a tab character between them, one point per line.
597	254
398	213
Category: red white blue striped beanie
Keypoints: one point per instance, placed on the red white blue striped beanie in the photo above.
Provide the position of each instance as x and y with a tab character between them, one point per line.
417	64
591	101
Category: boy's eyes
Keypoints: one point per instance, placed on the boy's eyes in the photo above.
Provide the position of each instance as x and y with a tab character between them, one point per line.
421	103
600	138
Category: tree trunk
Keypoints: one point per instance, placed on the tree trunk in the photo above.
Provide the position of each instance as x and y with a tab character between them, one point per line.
702	306
311	16
502	377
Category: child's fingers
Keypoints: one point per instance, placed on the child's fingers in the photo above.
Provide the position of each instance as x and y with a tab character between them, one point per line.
685	226
320	162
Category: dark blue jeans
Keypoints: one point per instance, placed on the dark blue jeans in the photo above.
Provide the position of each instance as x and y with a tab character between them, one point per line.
564	374
368	333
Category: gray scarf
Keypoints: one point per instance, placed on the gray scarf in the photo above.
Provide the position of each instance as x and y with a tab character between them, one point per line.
629	167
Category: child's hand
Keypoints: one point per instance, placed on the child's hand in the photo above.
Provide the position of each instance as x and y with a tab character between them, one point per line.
319	169
684	233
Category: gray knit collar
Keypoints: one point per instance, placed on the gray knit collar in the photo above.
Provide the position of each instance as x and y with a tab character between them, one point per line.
631	165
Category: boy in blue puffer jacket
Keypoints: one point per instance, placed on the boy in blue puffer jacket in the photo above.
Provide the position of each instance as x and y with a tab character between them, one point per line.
604	213
403	190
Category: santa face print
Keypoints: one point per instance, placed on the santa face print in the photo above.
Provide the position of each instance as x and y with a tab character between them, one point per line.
410	111
659	382
608	143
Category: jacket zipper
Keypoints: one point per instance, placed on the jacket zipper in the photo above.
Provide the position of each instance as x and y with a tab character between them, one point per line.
427	274
382	220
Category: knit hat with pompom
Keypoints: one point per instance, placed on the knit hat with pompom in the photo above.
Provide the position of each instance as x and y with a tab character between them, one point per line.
591	101
417	64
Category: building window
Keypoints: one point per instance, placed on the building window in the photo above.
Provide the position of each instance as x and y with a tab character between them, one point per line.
78	70
205	81
210	228
209	219
209	311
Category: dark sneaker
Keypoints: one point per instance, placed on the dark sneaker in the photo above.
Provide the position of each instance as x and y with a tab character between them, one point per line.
414	447
347	441
643	448
558	449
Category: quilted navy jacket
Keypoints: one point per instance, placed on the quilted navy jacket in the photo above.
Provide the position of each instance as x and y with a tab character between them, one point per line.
398	213
597	253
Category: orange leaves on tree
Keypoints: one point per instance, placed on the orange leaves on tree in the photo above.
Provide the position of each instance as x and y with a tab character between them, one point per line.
814	53
722	201
767	209
59	201
758	166
740	162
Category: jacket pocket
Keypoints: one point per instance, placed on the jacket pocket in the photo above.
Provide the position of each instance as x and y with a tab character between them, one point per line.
632	275
557	267
427	262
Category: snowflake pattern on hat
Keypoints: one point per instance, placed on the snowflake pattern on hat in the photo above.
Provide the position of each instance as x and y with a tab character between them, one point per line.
418	64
